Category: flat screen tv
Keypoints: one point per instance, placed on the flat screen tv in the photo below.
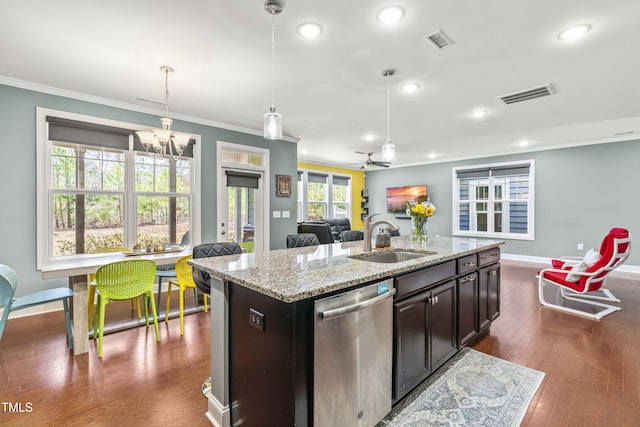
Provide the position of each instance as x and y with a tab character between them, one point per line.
397	197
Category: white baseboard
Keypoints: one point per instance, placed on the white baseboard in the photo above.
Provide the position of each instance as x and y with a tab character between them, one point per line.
626	271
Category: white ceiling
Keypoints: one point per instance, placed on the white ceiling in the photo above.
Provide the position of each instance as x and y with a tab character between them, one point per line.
330	90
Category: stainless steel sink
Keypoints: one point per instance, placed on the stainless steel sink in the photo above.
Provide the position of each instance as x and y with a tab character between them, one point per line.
398	255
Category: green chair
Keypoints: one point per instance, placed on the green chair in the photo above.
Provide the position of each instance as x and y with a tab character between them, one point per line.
124	280
8	285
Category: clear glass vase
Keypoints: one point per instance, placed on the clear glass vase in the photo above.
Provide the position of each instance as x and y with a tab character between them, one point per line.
419	229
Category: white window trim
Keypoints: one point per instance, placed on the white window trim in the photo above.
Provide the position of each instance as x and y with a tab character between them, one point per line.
43	182
530	211
328	202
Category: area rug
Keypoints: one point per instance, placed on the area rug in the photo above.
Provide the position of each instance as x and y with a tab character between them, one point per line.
472	389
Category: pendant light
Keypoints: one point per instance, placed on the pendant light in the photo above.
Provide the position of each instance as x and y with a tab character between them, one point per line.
273	120
388	149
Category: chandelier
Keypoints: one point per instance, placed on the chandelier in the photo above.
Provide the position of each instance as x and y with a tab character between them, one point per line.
273	120
388	149
164	143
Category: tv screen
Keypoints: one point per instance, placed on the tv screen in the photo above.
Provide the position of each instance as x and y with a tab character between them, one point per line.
397	197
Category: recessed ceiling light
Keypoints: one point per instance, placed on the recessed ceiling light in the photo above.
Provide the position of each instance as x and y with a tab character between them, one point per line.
432	155
574	32
477	114
370	137
309	30
524	143
410	87
390	15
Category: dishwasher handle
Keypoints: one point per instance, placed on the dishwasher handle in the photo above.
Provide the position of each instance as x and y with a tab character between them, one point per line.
347	309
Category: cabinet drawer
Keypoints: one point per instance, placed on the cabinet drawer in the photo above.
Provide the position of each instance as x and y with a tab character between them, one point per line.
488	257
468	263
413	282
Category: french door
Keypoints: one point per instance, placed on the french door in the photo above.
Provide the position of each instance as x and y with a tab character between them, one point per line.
241	218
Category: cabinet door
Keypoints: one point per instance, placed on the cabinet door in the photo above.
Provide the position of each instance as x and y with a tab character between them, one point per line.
489	294
410	343
467	308
442	324
494	291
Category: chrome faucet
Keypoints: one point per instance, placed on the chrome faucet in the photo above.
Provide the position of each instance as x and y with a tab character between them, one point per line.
369	227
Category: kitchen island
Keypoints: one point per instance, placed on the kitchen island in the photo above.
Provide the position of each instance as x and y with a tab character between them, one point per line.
262	317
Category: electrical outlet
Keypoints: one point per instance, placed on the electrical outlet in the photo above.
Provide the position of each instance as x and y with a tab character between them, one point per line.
256	319
580	247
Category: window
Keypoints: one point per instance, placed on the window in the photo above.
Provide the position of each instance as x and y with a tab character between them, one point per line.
323	195
99	189
494	200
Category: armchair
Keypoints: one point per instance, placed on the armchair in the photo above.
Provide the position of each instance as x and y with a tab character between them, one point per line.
581	282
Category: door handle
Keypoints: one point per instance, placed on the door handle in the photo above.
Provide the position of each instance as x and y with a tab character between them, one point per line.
341	311
223	232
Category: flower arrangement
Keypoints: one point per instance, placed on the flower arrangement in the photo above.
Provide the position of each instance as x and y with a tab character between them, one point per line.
419	213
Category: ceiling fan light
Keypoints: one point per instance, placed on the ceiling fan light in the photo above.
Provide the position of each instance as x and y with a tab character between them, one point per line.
388	152
272	124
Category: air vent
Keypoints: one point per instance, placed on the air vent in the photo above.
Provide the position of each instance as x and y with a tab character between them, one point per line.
439	40
527	95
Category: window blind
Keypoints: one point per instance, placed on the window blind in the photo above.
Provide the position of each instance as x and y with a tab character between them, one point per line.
242	179
77	132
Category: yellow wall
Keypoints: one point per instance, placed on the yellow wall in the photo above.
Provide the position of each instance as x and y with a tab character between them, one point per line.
357	185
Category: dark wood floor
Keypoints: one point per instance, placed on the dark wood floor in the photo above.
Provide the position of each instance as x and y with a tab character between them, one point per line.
592	367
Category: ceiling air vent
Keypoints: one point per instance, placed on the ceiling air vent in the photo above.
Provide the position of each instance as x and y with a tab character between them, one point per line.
439	40
527	95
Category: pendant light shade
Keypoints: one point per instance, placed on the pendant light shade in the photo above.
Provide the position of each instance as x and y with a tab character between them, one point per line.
388	151
273	120
272	124
388	148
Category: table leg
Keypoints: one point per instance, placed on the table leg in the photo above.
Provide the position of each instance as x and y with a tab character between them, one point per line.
80	309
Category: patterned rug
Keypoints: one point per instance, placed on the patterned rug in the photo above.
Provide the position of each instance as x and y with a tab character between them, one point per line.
472	389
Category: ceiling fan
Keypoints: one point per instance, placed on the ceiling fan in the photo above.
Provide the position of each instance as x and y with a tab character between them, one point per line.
370	162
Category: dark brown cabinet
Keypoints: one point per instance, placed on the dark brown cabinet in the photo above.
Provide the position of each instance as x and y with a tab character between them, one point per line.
489	294
425	335
478	295
468	326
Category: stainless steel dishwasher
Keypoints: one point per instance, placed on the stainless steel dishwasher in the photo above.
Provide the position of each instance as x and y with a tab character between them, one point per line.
352	372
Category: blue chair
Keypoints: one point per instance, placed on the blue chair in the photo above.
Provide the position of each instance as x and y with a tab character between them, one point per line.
8	284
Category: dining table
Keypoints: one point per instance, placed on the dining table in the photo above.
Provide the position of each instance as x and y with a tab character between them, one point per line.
78	270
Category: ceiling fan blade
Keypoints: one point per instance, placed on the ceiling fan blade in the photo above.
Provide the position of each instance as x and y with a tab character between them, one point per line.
382	164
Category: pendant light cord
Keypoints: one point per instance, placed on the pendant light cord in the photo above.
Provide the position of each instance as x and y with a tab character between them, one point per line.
273	60
388	111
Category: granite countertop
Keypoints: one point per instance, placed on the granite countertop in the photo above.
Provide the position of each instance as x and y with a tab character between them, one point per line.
291	275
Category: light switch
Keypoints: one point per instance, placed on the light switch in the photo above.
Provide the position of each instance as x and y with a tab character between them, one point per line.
285	214
276	214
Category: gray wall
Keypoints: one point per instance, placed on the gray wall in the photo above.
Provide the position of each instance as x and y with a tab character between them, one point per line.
580	193
18	175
